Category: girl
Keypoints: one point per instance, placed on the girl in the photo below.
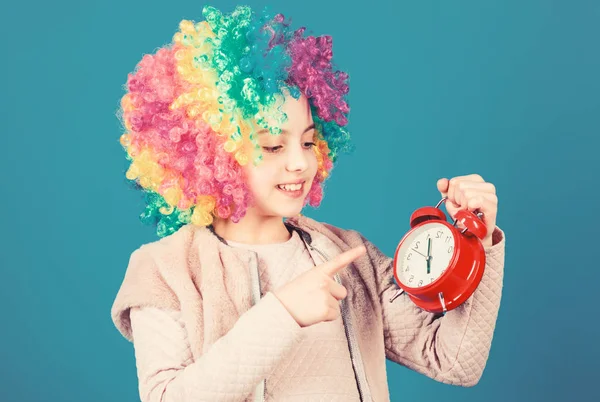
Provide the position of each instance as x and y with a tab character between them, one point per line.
231	131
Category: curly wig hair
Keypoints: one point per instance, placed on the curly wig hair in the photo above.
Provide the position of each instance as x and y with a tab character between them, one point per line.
187	110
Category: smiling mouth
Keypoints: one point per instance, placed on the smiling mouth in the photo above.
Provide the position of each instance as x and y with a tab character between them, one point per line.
291	188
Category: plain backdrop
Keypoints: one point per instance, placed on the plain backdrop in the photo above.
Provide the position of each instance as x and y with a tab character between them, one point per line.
506	89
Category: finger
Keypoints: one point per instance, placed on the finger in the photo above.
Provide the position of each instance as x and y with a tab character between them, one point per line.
485	202
468	177
335	265
451	197
334	310
334	303
442	185
332	315
487	206
336	290
468	189
459	184
486	195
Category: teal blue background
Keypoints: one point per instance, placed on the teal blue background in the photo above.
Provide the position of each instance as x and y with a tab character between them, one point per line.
506	89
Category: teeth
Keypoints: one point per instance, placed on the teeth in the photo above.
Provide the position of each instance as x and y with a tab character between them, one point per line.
290	187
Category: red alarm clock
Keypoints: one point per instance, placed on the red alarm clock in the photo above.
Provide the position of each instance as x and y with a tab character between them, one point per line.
438	265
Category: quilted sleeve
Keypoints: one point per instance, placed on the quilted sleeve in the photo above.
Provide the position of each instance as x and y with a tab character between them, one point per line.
451	348
229	371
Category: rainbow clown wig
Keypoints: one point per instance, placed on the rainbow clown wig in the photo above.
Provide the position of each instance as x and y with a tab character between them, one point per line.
188	108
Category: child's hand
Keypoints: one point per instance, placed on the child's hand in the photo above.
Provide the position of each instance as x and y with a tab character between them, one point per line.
473	193
313	296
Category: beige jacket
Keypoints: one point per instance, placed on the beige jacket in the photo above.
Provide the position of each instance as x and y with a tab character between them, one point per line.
238	335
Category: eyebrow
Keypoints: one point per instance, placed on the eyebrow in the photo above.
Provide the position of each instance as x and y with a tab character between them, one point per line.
284	131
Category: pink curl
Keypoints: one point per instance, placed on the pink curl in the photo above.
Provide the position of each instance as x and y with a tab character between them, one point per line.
190	152
311	72
315	194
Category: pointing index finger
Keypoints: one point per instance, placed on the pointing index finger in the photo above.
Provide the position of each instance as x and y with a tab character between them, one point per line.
341	261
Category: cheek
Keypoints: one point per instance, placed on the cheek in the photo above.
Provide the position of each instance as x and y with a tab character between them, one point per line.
259	178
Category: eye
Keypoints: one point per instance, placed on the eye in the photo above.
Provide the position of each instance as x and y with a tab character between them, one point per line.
309	145
272	149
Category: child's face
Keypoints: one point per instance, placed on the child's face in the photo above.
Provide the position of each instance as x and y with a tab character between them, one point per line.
287	158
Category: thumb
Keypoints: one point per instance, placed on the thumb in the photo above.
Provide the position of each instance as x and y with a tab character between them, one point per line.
442	185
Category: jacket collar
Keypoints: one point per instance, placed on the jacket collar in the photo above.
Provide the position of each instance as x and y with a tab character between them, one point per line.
291	224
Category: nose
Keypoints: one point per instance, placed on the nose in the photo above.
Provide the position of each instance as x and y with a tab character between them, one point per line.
296	159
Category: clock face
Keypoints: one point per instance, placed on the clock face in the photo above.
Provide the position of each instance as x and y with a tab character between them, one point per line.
425	254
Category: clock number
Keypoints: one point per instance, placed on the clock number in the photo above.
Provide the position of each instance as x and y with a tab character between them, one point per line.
450	249
448	238
420	282
407	269
431	280
408	257
417	245
439	234
411	278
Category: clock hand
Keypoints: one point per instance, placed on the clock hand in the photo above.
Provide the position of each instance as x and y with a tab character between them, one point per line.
418	252
429	255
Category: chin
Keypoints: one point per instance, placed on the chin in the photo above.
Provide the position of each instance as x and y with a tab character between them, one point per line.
285	209
287	212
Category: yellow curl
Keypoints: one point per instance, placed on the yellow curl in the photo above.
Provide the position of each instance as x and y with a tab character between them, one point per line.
187	27
241	157
321	151
125	140
150	175
167	210
146	169
205	205
172	195
230	146
126	103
